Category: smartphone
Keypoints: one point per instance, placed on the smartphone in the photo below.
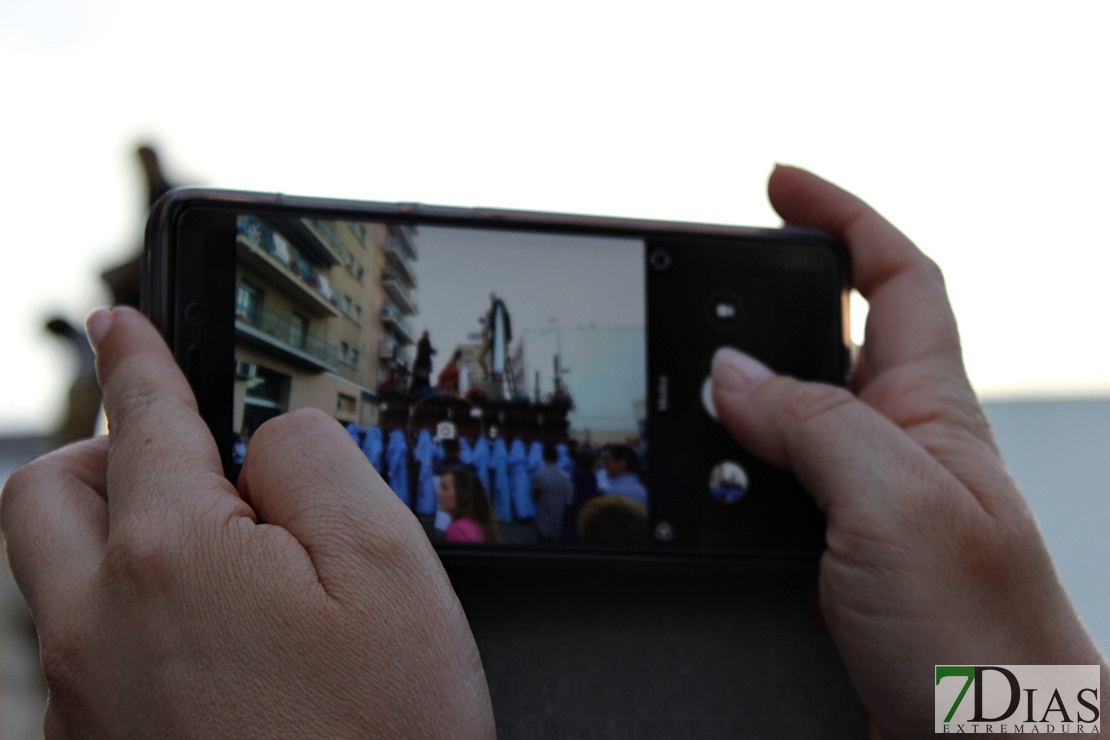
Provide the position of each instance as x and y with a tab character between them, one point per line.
553	368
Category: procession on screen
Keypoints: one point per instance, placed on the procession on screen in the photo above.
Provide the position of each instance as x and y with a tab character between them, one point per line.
494	379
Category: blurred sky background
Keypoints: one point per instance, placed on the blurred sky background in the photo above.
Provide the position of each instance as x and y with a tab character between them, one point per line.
980	128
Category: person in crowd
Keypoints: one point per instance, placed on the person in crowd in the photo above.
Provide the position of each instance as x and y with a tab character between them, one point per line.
452	455
520	483
584	481
613	520
553	492
159	588
622	468
462	495
422	365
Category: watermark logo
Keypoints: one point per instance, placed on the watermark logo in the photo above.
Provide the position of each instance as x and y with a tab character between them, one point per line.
1033	699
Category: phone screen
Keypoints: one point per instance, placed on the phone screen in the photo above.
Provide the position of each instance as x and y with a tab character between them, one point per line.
536	388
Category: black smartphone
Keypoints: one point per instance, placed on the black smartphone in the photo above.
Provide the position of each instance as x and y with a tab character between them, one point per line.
527	383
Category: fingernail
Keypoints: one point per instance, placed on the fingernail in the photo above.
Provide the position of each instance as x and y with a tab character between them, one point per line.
735	371
97	325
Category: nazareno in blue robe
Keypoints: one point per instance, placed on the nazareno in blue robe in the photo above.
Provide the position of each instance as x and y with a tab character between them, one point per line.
426	483
499	479
397	459
480	460
520	482
372	447
356	432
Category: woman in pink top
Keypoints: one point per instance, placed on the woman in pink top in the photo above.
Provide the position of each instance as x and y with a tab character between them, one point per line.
462	495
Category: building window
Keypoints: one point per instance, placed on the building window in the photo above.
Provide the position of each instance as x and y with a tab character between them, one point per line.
346	404
358	314
354	359
344	351
298	331
267	388
248	304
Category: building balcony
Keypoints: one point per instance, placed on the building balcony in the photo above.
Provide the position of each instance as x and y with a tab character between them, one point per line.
387	348
325	233
397	293
400	238
400	267
308	289
397	323
276	334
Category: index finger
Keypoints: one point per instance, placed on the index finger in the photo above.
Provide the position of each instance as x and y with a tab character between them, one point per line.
912	364
910	318
161	456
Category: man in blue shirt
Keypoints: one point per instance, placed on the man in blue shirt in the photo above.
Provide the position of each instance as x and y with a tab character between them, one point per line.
622	468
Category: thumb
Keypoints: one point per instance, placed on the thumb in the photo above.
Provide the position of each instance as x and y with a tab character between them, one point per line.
303	473
846	454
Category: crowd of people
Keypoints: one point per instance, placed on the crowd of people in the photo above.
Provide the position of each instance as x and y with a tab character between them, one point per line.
467	490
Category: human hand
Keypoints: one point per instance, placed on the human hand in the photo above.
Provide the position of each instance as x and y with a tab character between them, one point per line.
933	555
307	603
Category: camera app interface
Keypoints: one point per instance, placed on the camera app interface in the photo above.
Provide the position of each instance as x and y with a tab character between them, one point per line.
495	379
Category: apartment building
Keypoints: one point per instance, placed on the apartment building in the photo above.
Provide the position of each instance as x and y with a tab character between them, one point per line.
322	313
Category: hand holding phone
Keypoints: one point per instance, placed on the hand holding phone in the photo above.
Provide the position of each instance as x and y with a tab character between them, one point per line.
168	603
933	554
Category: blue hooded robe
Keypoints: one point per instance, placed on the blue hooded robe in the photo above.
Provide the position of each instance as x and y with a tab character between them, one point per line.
520	482
535	458
372	447
499	478
480	460
397	460
356	432
565	463
426	484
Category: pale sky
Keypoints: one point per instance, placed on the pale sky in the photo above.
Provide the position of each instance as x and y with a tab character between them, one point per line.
979	128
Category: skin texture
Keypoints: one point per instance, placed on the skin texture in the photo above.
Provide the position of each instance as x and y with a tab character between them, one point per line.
933	555
307	603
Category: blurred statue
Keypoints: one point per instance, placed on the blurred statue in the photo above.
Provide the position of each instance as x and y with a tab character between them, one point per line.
83	403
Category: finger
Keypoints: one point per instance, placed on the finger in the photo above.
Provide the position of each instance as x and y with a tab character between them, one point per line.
904	288
162	459
861	469
55	522
303	473
914	365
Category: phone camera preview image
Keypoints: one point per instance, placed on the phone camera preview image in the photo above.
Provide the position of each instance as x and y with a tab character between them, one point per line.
494	379
507	383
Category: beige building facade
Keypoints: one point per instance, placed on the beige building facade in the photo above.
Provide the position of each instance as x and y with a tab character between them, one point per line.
322	314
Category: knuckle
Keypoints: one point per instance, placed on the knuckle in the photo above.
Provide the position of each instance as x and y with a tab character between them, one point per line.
931	269
140	563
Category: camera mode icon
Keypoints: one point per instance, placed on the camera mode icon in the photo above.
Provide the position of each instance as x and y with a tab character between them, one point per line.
724	311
